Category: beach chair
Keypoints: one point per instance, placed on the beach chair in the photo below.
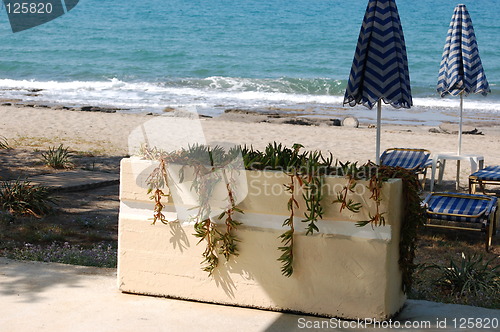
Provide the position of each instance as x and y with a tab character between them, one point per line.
488	175
416	160
462	211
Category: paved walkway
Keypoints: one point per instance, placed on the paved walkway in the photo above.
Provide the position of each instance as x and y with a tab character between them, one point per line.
63	298
75	180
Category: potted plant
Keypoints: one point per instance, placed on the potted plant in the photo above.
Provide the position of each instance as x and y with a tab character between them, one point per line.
327	262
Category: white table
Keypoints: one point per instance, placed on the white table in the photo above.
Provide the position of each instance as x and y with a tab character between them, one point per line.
476	162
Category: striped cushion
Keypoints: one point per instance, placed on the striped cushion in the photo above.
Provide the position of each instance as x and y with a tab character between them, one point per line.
428	163
490	173
460	207
406	158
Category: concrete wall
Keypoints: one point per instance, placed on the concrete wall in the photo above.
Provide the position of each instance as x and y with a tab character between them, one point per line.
343	271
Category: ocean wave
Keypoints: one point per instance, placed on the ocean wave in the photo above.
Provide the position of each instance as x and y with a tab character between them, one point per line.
483	105
211	95
289	85
207	92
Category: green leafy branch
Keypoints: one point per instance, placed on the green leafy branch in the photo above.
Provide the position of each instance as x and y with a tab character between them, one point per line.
342	197
287	237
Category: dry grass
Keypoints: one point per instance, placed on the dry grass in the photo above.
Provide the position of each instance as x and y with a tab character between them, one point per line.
21	163
43	143
82	218
439	246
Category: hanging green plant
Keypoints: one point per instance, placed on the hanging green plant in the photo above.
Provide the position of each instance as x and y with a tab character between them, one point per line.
209	168
287	237
313	181
305	171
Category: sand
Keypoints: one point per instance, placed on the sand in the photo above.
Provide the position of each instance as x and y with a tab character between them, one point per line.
107	134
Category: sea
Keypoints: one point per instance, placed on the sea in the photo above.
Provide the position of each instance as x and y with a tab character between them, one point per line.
285	55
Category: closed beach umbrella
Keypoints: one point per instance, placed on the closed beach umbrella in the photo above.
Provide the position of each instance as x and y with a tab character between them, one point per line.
461	71
380	67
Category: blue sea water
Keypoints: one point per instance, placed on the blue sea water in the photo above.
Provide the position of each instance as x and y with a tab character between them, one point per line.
218	54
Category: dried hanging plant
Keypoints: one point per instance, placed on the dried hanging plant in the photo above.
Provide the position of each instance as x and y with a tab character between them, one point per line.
158	179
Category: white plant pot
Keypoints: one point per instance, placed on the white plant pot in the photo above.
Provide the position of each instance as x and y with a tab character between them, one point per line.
343	271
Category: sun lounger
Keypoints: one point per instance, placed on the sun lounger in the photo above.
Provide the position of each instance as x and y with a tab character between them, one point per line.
461	211
488	175
413	159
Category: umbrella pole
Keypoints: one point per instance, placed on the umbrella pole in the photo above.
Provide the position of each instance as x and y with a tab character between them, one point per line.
379	117
460	124
460	138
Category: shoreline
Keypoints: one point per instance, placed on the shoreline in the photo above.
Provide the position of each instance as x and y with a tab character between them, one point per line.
316	115
427	111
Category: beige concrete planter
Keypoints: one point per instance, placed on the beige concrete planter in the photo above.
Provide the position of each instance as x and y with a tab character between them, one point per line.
343	271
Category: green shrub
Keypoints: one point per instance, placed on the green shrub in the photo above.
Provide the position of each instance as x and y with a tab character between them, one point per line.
22	198
470	276
58	158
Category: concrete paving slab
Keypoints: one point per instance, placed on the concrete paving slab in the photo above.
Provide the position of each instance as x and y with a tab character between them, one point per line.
53	297
75	180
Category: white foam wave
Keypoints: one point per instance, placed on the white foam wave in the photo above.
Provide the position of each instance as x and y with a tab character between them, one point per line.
63	86
485	105
150	96
211	98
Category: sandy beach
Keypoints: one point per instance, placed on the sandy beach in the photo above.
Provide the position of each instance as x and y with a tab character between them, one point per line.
99	141
107	134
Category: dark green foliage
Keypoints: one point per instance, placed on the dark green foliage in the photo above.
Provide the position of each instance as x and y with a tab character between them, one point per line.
274	157
413	219
57	158
22	198
471	275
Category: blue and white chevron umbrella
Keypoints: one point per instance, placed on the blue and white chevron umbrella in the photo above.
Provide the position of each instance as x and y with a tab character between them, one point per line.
380	67
461	71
